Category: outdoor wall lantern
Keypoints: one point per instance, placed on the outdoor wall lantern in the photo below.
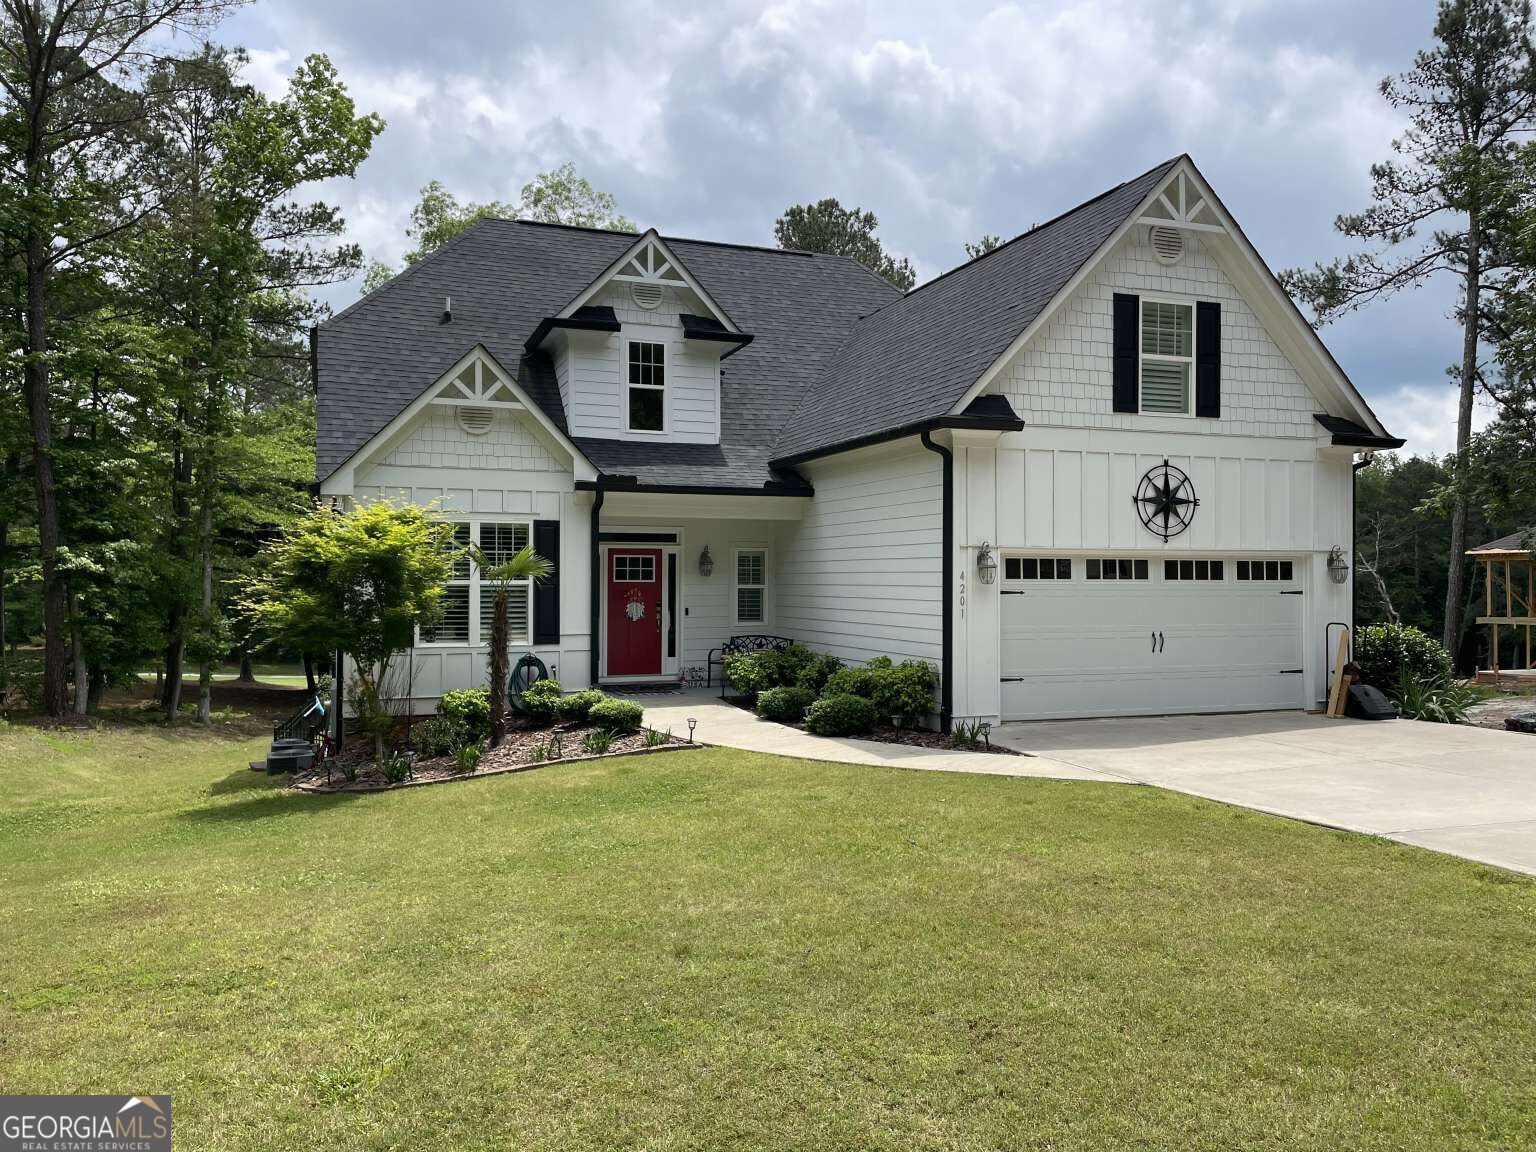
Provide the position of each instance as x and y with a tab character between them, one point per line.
706	562
1338	567
986	566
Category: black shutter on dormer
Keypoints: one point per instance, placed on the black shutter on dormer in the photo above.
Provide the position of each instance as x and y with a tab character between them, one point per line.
1127	323
546	593
1207	358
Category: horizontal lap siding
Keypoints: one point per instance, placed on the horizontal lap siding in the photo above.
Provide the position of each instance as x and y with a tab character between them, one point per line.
861	575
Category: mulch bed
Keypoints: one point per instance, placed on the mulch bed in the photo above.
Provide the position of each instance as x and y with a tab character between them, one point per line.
885	734
1497	712
516	753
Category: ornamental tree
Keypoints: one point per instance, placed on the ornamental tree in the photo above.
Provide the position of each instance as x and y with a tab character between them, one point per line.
360	581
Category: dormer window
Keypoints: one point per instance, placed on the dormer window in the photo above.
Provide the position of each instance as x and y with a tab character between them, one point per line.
647	386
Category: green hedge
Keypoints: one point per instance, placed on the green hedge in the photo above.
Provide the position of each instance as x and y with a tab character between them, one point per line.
470	708
841	716
616	715
786	704
540	701
578	705
1387	653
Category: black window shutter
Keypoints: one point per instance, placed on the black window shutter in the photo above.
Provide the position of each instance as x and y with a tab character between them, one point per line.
546	593
1127	337
1207	358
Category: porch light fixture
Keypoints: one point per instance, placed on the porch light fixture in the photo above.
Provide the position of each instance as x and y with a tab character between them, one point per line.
986	565
706	562
1338	567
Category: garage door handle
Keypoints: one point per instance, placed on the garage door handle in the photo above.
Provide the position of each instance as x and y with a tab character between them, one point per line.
1290	671
1161	642
1291	592
1154	642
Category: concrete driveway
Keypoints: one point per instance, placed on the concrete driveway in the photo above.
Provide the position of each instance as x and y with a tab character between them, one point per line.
1466	791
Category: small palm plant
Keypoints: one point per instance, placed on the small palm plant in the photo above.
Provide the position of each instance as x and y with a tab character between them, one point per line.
525	564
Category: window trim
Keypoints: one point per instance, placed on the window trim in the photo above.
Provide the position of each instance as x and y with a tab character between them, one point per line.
474	583
737	585
1141	356
666	371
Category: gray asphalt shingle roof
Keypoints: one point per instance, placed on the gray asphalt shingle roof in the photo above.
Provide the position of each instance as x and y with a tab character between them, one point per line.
505	276
837	353
916	357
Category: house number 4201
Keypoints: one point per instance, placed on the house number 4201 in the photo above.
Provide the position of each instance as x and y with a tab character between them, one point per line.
961	589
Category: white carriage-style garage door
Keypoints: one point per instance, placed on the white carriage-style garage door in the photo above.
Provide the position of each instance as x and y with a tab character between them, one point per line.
1126	636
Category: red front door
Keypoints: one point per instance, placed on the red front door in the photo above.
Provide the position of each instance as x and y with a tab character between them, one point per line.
634	612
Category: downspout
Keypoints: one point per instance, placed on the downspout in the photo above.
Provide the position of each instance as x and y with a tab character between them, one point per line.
946	659
596	612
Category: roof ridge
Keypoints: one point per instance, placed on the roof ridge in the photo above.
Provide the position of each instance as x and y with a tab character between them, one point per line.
1059	218
790	427
772	248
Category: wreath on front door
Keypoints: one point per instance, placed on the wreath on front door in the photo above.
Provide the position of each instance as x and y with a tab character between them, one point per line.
634	606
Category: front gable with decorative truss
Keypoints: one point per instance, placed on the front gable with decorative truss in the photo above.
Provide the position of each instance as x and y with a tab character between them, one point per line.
470	426
637	353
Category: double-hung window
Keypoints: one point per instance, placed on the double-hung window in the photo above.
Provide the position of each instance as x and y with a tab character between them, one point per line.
751	586
452	626
647	387
500	541
469	600
1167	356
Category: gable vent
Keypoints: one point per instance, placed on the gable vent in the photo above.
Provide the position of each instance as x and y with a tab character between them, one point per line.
1168	243
476	421
646	296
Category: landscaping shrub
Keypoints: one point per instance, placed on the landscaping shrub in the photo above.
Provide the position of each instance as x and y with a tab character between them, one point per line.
841	715
751	672
790	663
1443	703
813	676
654	738
787	704
540	701
469	707
854	681
905	690
616	716
439	736
596	742
468	756
1385	652
577	705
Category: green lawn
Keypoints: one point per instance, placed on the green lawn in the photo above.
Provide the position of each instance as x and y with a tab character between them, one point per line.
722	950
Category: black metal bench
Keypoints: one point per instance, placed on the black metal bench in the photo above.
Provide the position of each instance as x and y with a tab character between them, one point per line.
749	643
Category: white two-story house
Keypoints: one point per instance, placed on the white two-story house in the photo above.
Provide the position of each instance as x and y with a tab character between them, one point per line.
1105	469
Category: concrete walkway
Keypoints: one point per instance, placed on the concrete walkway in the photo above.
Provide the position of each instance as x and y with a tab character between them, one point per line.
1454	788
733	727
1457	789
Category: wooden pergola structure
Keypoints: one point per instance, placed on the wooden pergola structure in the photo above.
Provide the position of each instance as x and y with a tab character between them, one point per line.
1509	597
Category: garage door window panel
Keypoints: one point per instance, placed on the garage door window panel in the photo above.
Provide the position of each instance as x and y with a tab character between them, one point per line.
1036	568
1118	568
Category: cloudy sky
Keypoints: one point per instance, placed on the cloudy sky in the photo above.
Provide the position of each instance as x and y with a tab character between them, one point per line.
948	120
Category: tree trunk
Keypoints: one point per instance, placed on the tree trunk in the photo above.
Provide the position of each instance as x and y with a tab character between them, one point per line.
1456	573
309	674
499	667
176	615
76	650
205	669
96	689
247	669
41	421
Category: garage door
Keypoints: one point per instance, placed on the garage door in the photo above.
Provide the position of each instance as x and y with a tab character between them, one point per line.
1125	636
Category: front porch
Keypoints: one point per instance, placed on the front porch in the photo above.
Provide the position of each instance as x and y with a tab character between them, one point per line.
677	575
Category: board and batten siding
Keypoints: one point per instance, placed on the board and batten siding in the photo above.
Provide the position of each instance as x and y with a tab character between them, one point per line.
1055	491
508	471
860	575
1064	375
591	370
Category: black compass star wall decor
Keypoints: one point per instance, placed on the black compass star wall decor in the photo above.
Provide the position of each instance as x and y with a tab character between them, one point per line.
1165	500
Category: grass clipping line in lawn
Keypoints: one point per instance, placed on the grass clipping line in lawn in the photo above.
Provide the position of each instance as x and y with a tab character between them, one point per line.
734	950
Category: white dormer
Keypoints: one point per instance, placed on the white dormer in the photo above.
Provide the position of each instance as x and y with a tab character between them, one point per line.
637	354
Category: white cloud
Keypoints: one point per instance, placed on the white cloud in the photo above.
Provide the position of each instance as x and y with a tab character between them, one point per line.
1426	418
